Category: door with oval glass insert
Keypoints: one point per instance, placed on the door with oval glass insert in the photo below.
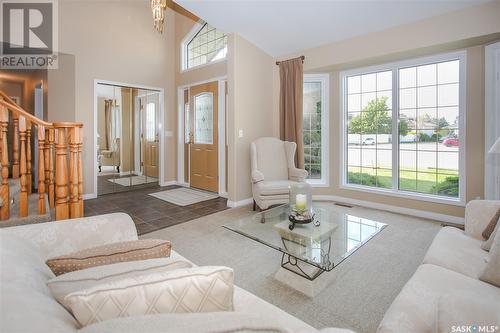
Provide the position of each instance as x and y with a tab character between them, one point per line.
203	148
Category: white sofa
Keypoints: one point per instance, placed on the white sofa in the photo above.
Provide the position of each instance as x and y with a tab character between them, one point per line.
273	171
450	270
26	303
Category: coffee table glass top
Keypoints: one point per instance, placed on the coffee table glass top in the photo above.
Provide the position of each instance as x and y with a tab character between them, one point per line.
338	235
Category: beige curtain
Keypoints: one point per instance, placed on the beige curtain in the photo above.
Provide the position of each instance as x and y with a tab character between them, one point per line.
108	107
291	94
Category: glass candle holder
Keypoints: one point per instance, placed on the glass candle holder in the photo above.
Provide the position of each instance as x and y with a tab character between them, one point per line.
300	198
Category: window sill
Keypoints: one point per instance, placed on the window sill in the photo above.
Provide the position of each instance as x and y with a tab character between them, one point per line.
406	195
317	183
184	70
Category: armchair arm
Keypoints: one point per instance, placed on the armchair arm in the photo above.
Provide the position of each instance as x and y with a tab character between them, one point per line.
298	175
66	236
478	213
257	176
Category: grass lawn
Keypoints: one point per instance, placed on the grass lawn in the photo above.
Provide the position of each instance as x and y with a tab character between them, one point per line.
422	181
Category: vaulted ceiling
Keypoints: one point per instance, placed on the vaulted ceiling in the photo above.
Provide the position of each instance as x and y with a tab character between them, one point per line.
288	26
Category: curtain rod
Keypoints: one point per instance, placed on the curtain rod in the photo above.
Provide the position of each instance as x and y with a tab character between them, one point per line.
301	57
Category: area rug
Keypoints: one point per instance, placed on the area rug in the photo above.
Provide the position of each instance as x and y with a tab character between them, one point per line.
364	285
184	196
136	180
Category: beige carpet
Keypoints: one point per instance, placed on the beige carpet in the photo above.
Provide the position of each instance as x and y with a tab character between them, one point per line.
364	286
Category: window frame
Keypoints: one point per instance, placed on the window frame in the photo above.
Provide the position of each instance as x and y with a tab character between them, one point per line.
325	124
184	49
394	67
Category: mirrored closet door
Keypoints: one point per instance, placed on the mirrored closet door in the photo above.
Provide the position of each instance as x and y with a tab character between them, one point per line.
127	138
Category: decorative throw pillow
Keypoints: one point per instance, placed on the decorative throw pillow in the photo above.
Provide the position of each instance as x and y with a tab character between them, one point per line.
198	289
486	245
491	226
110	254
491	273
65	284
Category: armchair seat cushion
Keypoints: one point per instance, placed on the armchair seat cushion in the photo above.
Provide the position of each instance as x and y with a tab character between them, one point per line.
274	187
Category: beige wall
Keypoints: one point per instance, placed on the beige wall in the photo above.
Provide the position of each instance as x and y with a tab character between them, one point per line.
116	42
458	30
251	102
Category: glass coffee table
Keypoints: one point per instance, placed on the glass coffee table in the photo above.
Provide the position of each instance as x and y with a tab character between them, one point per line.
309	250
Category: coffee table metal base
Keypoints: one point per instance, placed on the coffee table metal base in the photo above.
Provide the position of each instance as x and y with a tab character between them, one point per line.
299	267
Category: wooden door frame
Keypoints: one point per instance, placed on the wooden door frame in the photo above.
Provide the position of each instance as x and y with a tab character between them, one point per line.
161	129
221	129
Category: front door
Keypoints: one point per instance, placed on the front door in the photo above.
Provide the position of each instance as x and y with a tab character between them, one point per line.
149	108
203	148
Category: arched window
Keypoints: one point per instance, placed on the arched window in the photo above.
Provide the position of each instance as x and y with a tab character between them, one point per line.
206	46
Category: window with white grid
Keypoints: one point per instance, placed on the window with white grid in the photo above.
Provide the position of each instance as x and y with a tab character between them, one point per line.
315	127
207	45
404	128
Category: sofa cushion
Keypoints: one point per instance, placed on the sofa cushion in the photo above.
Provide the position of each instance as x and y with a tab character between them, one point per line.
110	254
23	291
199	289
65	284
491	273
466	311
223	322
415	308
454	250
274	187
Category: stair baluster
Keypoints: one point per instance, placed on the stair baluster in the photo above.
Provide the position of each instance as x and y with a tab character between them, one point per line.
41	170
29	176
51	150
15	146
73	164
23	195
62	207
4	190
80	171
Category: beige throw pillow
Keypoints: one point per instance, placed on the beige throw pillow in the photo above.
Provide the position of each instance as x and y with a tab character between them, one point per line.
491	226
491	273
110	254
65	284
198	289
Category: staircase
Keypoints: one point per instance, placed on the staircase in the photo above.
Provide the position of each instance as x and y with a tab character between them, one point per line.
58	191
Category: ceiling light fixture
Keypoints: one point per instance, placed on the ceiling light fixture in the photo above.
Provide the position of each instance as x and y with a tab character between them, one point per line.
158	7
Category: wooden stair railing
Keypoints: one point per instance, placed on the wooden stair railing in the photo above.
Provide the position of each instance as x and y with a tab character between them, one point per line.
59	147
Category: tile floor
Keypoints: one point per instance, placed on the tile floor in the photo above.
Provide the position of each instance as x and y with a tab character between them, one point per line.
149	213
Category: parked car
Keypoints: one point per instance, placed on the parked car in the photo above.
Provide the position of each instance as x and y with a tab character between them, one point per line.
450	142
369	141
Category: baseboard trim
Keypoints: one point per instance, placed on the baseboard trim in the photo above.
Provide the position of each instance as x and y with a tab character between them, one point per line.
169	183
89	196
244	202
391	208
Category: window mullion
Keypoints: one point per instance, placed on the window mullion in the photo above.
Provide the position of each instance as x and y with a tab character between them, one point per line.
395	129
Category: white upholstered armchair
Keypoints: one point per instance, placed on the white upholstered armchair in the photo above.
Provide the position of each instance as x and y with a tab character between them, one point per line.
273	171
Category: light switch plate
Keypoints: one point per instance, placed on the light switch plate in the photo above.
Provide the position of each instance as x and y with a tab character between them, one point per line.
169	134
240	133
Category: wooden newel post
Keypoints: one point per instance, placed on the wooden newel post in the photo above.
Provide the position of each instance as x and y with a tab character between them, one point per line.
15	146
29	177
41	170
62	207
4	190
73	172
23	195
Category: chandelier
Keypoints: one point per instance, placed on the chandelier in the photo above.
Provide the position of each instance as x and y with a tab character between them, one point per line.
158	8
